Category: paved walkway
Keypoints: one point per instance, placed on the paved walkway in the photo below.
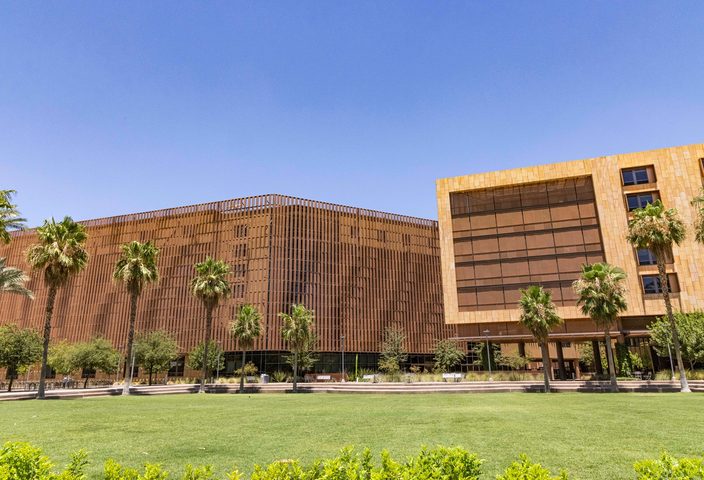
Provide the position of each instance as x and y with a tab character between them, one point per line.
351	387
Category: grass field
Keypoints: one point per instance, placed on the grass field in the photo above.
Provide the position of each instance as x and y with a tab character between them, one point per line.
594	436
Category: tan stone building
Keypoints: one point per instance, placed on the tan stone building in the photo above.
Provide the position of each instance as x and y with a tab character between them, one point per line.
502	231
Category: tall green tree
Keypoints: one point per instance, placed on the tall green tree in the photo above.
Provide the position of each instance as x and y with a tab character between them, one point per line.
60	254
393	351
154	351
12	280
698	203
447	355
210	286
307	356
215	360
601	295
539	316
657	229
95	355
135	268
61	358
10	217
691	329
19	349
297	331
245	329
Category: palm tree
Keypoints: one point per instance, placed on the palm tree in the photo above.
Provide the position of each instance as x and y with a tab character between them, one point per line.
698	203
601	291
657	229
211	286
538	315
60	254
246	328
297	332
135	268
9	216
12	280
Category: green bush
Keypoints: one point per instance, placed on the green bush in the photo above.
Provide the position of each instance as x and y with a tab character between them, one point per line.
670	468
22	461
524	469
279	376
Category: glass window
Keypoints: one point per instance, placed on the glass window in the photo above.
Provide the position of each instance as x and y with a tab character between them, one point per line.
639	200
646	257
651	284
635	176
176	367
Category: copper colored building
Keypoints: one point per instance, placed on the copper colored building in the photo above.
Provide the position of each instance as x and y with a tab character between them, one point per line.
502	231
361	271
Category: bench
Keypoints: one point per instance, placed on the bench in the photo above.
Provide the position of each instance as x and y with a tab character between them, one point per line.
452	376
369	377
323	378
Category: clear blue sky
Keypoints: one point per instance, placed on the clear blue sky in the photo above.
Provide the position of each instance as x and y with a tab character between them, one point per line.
116	107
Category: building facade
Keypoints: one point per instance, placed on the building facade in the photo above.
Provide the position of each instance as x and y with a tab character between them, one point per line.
361	271
502	231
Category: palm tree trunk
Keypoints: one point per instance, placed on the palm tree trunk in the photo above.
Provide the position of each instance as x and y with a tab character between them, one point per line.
547	365
9	386
150	376
244	353
51	298
675	336
208	325
295	372
610	360
130	344
85	383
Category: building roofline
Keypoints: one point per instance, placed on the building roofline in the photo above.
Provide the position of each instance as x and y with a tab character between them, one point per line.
254	202
544	165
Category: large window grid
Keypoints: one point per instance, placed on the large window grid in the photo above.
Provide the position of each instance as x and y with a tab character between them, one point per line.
508	238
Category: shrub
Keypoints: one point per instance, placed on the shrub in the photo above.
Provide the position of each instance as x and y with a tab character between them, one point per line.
279	376
524	469
22	461
670	468
249	370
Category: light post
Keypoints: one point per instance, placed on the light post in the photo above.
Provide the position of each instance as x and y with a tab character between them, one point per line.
488	353
672	366
342	343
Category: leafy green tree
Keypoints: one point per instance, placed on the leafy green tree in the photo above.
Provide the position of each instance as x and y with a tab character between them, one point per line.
135	268
698	203
154	351
12	280
95	355
245	329
657	229
539	316
60	254
691	329
447	355
514	362
307	356
601	295
10	218
210	286
19	349
393	351
61	358
297	331
215	358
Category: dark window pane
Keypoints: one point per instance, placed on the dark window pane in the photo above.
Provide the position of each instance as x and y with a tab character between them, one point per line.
628	178
639	200
646	257
635	176
651	284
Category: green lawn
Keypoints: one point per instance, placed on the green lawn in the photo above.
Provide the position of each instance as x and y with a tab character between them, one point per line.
594	436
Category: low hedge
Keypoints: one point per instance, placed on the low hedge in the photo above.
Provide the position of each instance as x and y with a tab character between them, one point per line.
23	461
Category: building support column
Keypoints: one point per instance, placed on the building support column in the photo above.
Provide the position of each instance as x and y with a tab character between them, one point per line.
597	357
561	361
